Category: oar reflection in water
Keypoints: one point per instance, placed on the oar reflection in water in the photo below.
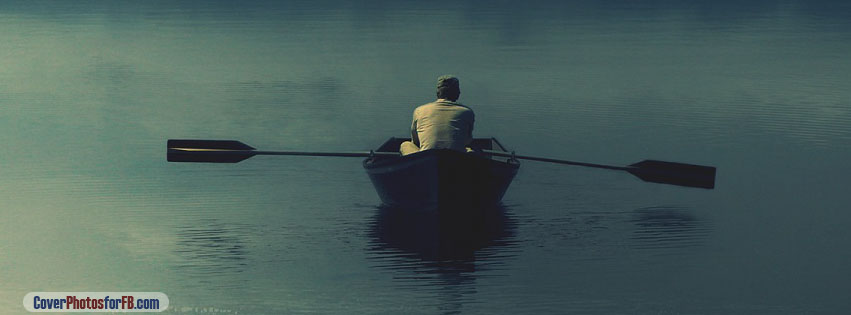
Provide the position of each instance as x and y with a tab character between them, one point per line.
211	249
667	229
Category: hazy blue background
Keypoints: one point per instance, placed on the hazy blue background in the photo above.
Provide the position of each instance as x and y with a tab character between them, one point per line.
91	90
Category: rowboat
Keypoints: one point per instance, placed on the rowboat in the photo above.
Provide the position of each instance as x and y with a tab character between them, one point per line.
432	180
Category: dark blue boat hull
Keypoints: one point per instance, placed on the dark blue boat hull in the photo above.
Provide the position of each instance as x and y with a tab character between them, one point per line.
434	180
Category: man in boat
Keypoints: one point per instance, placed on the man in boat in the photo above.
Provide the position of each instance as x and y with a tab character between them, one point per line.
442	124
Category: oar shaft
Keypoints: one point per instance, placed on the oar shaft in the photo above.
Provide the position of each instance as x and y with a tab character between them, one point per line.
340	154
673	173
542	159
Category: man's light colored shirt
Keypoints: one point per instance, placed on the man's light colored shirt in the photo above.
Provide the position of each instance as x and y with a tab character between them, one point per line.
442	124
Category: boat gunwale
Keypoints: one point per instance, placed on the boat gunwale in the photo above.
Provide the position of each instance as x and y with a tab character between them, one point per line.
373	163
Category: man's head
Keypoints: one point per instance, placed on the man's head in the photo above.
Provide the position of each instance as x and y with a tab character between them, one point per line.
447	88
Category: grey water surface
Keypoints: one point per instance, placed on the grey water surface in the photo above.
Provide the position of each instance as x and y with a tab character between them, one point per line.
91	90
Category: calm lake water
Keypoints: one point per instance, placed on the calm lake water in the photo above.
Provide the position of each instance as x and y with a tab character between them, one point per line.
91	90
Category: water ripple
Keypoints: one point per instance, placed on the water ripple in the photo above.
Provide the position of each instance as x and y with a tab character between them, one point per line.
211	248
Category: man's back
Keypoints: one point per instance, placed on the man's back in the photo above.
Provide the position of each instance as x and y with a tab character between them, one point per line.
443	124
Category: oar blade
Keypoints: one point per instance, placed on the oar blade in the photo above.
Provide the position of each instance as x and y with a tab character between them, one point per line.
673	173
208	151
208	144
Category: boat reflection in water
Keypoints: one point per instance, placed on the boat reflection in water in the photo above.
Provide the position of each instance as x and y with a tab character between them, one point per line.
446	253
446	238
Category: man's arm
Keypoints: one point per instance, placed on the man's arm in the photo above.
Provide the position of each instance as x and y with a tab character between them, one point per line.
414	138
472	123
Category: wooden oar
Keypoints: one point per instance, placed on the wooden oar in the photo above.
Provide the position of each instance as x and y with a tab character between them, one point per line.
231	151
662	172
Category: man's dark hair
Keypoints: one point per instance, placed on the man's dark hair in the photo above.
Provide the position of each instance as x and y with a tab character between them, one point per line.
448	88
